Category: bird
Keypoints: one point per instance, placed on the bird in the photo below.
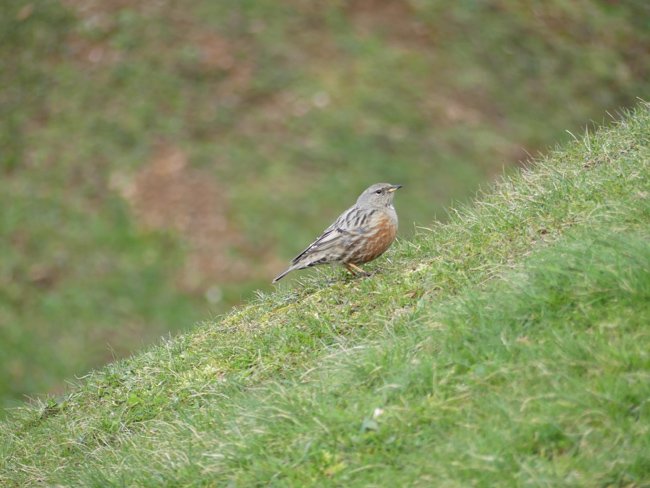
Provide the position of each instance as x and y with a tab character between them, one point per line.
360	234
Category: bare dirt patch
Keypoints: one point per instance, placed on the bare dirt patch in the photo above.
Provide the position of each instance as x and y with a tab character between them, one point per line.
167	194
395	20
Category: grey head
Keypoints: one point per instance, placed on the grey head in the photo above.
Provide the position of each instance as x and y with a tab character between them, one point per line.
378	195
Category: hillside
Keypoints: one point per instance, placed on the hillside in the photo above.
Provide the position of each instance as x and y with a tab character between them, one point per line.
508	346
161	160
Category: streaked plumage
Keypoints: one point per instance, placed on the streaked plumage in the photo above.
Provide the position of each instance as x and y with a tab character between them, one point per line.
360	234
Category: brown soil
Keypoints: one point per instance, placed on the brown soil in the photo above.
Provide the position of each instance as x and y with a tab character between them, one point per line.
167	194
393	19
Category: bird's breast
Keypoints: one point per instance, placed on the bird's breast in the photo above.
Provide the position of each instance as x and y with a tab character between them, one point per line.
380	235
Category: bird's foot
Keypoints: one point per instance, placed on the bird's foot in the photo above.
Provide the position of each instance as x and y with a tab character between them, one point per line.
356	271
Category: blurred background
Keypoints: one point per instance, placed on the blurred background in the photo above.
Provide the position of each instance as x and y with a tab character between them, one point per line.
160	160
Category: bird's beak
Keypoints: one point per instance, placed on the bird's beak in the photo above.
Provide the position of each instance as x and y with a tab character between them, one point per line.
393	188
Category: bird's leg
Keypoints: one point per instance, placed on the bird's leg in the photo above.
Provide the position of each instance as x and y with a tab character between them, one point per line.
355	270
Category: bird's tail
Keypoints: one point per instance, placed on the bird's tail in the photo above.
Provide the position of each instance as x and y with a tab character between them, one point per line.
304	262
283	274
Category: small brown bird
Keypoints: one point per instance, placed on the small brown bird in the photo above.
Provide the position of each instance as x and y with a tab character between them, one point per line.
360	234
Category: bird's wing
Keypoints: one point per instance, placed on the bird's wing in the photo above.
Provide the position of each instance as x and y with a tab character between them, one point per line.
349	223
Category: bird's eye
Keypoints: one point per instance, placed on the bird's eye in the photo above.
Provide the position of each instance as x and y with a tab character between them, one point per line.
378	192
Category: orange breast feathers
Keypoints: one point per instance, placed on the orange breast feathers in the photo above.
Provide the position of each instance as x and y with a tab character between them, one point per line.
378	241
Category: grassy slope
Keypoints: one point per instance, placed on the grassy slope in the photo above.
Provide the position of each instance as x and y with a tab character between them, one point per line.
508	346
287	109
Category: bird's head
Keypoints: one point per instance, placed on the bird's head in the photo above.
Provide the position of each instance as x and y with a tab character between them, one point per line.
378	195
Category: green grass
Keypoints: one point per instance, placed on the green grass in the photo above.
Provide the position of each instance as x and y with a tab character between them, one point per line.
286	111
508	346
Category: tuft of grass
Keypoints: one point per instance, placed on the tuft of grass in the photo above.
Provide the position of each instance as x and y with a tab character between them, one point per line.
507	346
